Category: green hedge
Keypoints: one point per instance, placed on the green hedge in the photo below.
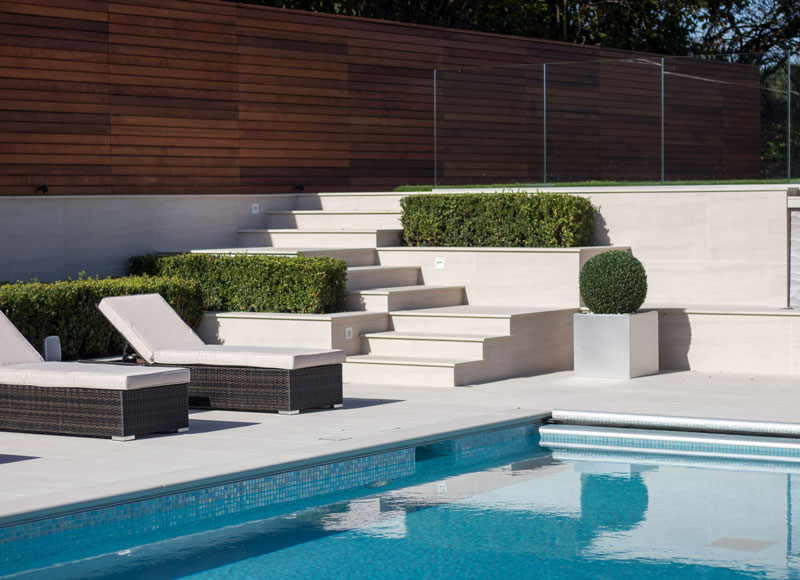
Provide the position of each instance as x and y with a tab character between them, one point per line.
506	220
69	309
260	283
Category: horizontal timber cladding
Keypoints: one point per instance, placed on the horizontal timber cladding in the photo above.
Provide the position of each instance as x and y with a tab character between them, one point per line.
195	97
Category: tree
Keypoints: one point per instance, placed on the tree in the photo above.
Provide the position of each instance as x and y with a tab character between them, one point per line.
761	32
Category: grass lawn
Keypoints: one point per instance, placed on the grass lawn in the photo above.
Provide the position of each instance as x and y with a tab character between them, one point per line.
402	188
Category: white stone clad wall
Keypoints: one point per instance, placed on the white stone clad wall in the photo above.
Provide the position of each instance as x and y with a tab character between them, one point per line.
794	258
723	247
718	245
51	238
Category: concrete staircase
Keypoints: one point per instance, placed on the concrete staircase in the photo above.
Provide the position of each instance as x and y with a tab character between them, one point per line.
434	337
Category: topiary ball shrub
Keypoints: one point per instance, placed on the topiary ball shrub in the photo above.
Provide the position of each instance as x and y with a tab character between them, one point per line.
613	282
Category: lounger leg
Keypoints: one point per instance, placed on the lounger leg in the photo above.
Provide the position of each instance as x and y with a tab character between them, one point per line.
337	406
128	438
182	430
289	412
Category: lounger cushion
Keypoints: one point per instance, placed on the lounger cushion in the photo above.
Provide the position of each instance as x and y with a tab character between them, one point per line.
250	356
14	348
91	376
148	323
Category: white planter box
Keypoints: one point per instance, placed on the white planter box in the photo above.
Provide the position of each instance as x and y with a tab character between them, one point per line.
618	346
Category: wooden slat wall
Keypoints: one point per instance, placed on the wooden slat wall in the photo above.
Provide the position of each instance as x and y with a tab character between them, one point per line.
200	97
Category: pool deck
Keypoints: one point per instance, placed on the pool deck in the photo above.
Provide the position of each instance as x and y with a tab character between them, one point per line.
42	473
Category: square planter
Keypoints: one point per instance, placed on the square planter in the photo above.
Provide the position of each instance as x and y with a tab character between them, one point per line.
617	346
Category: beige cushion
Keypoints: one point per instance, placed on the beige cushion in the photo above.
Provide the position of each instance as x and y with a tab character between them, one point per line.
14	348
250	356
148	323
91	376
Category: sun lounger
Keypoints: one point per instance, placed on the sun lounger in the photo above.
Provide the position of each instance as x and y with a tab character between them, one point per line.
249	378
71	398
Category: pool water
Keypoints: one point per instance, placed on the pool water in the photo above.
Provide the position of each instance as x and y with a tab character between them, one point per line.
528	514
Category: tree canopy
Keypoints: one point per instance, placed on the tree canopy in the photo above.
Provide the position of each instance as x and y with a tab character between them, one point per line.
762	32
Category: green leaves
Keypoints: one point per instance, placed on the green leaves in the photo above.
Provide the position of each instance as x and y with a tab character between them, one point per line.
69	309
505	220
613	282
256	283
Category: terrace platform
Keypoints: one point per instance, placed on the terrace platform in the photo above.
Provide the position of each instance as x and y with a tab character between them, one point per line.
40	473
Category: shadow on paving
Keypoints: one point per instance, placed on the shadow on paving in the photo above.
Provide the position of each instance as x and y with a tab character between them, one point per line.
13	458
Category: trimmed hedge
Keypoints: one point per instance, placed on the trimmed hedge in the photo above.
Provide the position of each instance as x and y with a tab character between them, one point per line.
69	309
506	220
259	283
613	282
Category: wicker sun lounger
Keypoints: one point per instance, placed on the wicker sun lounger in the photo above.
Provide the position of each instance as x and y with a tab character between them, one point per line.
99	400
245	378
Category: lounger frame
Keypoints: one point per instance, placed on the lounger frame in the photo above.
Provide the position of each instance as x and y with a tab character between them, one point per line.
264	389
119	414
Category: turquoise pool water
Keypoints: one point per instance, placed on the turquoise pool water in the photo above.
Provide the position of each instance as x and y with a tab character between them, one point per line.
461	509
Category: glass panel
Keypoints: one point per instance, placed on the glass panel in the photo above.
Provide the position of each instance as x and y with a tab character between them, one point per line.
774	124
604	121
489	125
711	120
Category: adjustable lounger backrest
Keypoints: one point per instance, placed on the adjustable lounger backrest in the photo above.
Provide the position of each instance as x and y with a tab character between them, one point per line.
14	348
148	323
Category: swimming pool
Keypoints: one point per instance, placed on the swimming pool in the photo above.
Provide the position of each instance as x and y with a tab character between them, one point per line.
486	505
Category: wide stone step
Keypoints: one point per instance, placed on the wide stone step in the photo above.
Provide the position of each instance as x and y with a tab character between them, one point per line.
363	277
415	371
418	344
294	238
361	201
404	298
333	219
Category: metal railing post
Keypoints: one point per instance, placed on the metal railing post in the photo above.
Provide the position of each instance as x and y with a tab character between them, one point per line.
788	117
662	121
435	145
544	124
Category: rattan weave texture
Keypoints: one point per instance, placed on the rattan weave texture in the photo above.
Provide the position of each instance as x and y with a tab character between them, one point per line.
264	389
93	412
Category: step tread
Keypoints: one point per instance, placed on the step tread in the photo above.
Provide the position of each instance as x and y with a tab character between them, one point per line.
280	250
317	231
411	360
378	268
332	212
401	289
477	311
462	337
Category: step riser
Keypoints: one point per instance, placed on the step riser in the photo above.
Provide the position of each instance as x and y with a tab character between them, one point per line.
411	375
352	257
350	202
382	279
451	325
325	221
301	239
423	348
406	300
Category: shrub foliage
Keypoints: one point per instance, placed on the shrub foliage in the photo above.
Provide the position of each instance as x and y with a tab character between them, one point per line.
613	282
507	220
69	310
247	282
